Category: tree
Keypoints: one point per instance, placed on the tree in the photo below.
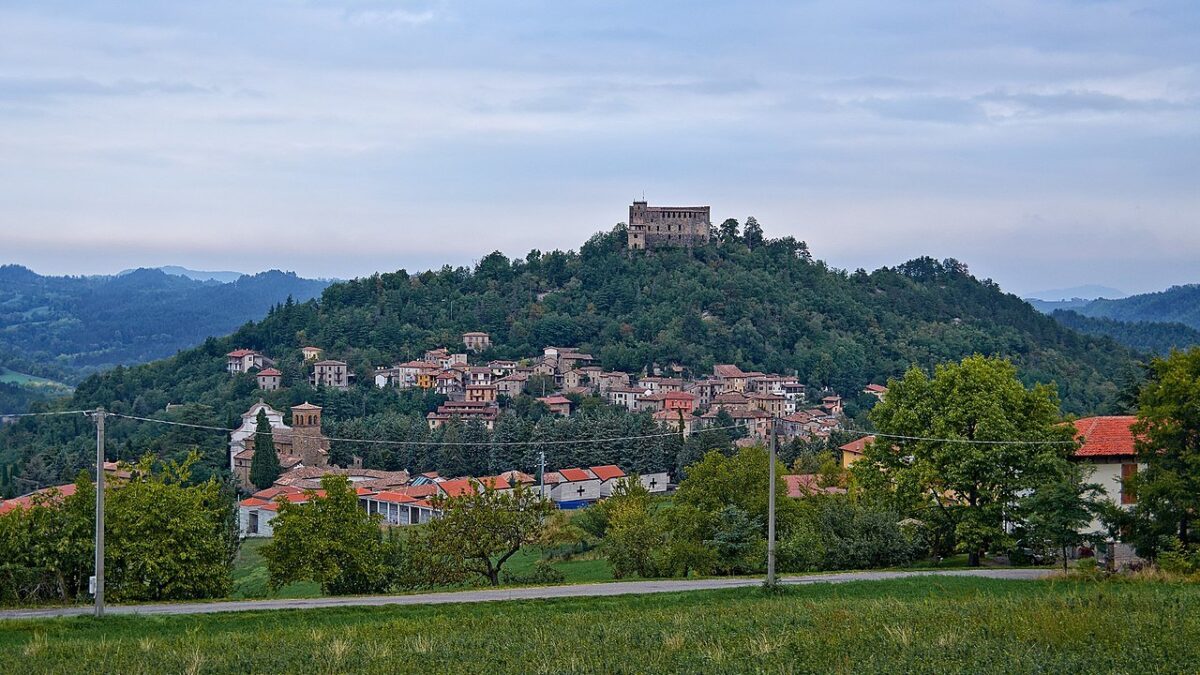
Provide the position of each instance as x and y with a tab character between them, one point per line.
1060	509
1168	427
264	466
738	542
485	527
728	231
752	233
167	539
329	540
965	481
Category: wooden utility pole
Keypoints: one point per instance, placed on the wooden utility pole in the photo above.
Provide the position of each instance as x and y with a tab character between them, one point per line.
100	415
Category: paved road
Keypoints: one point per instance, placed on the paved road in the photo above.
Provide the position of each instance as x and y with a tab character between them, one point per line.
528	593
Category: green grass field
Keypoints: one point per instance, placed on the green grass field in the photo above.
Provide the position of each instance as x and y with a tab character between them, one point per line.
913	625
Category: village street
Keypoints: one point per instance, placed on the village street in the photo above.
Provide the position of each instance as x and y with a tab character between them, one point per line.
525	593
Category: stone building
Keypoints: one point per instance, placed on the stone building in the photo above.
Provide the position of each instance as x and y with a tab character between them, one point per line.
299	445
476	341
269	379
657	226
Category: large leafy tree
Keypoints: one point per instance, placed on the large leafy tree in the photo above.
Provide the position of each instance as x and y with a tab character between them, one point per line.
264	466
329	540
1168	489
968	477
481	530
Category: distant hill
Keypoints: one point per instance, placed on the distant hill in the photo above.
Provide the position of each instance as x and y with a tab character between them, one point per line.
198	275
1085	292
64	328
1178	304
1144	336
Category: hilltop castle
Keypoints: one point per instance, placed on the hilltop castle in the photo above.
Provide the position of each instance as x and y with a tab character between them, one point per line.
658	226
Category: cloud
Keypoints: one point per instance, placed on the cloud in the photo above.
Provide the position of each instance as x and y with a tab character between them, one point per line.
940	109
14	88
1072	101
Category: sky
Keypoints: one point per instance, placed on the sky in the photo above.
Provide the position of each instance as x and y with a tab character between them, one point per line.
1045	143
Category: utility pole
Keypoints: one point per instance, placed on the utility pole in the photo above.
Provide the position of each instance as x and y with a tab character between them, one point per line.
100	415
542	473
771	511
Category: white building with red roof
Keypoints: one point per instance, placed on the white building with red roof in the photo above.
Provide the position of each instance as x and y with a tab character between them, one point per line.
1109	448
243	360
269	379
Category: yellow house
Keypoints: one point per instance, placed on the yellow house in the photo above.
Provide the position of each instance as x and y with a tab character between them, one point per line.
853	451
427	379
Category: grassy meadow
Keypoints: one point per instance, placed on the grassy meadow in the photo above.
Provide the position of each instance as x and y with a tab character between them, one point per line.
927	624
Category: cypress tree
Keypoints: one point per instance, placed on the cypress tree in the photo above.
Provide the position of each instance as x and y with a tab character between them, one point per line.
264	467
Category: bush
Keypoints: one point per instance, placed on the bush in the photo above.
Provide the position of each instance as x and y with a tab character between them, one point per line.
542	572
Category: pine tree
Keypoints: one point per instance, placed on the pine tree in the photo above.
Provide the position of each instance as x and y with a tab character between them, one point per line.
264	467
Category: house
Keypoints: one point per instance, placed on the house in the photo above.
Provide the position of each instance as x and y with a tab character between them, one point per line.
374	480
449	384
677	420
311	353
1109	448
242	360
876	390
625	397
773	404
476	341
609	475
657	385
330	373
651	402
731	402
256	512
832	404
558	405
609	380
269	379
511	385
731	377
573	488
44	495
704	390
480	393
853	451
486	413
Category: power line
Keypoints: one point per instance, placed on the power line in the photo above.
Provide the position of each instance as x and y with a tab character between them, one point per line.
429	443
47	414
954	440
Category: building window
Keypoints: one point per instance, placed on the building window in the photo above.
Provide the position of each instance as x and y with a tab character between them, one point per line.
1128	493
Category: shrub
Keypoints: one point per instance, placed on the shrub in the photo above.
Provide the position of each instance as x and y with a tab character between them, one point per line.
542	572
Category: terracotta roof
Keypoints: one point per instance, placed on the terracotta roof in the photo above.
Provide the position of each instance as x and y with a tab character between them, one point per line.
306	406
275	490
475	334
25	501
805	484
876	388
608	472
457	487
330	362
552	477
728	370
1106	436
515	476
253	501
575	475
679	396
555	400
673	416
269	372
239	353
857	447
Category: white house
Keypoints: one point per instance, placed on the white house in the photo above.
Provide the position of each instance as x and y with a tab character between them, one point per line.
1109	449
397	508
609	475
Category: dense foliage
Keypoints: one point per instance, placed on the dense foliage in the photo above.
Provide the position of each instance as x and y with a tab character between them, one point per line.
770	307
332	541
950	461
78	325
1144	336
166	539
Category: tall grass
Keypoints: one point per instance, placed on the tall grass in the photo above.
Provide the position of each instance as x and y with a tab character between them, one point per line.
910	625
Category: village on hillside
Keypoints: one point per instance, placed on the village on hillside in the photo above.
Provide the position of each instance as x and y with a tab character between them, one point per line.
756	403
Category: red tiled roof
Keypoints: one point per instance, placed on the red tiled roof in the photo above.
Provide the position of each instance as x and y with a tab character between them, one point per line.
876	388
574	475
394	497
805	484
728	370
253	501
555	400
1106	436
858	446
457	487
26	501
608	472
239	353
679	396
269	372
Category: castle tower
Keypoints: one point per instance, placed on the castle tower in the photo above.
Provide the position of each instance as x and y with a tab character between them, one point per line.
660	226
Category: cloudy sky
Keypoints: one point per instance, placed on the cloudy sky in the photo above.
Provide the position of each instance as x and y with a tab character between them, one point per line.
1045	143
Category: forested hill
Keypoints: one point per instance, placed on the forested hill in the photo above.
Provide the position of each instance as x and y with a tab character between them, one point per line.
66	327
1145	336
770	307
1178	304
